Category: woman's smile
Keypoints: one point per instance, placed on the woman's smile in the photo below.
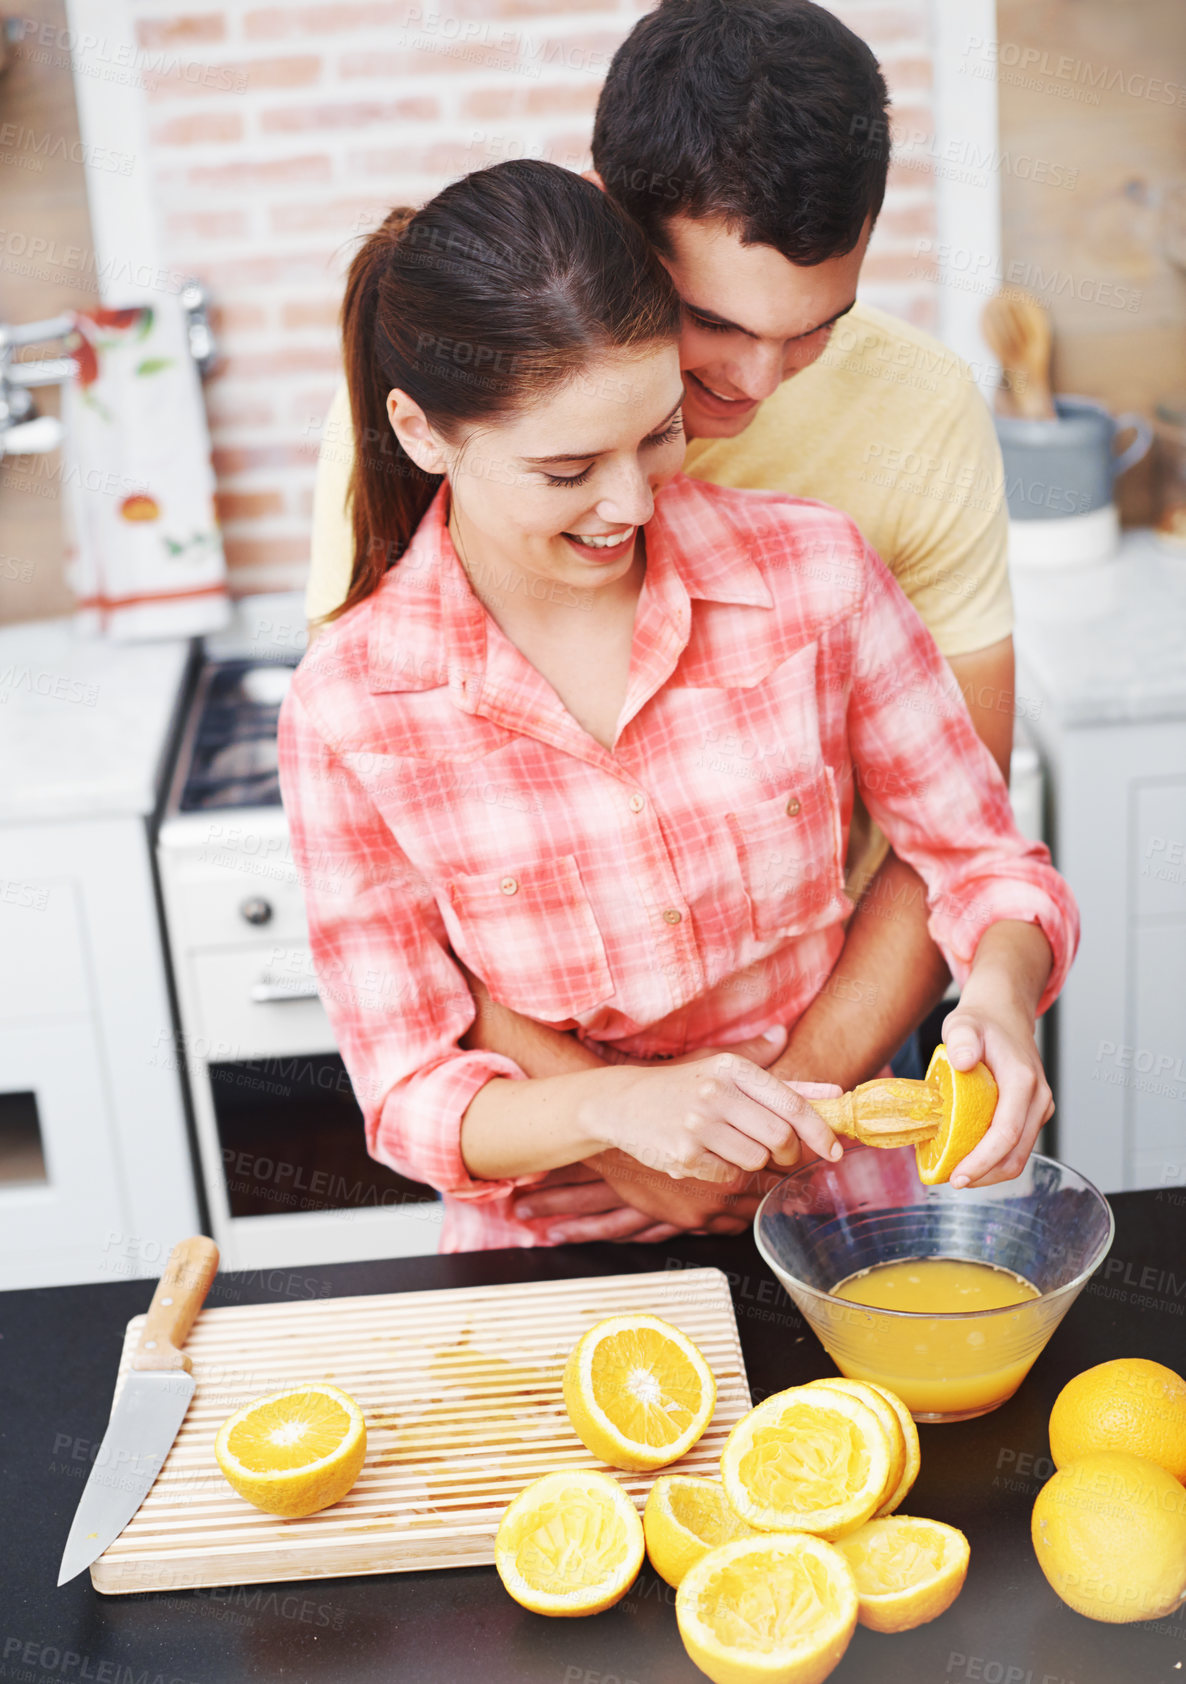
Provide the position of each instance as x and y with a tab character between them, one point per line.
602	547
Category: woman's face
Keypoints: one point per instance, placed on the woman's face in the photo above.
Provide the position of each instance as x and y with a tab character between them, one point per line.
559	492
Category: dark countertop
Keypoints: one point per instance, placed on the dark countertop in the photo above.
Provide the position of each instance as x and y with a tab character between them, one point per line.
58	1361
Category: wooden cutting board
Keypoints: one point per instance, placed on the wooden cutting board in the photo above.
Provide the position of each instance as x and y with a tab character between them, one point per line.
462	1396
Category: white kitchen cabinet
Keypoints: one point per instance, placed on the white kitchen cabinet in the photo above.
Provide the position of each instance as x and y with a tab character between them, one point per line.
85	1022
58	1062
1158	1069
1102	671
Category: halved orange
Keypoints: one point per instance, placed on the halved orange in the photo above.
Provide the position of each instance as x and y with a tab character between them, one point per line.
570	1543
685	1517
294	1452
969	1100
638	1392
906	1469
907	1571
773	1610
879	1404
913	1462
810	1459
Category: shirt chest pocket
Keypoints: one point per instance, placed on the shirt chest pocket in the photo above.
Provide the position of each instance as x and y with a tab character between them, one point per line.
530	933
790	853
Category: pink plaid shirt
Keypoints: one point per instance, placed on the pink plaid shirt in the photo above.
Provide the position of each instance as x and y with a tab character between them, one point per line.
684	888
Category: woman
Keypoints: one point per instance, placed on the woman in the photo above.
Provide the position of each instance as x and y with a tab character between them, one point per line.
593	728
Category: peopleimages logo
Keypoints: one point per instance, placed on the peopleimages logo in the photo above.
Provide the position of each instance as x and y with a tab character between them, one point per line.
1165	860
1072	77
69	1663
21	252
1143	1059
980	271
116	60
33	146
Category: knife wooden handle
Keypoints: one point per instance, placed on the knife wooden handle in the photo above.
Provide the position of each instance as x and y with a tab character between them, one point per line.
180	1294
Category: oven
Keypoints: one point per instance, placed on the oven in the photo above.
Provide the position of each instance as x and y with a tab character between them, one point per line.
285	1171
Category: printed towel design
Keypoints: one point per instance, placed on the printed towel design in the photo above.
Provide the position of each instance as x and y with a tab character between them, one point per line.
145	556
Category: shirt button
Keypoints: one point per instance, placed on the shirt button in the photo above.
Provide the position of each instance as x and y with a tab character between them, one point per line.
509	885
671	916
637	803
793	806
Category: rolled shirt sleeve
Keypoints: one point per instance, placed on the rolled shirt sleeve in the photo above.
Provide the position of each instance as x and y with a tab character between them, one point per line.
934	788
397	1001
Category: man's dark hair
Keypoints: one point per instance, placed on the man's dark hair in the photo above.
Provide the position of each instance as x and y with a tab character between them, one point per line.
767	114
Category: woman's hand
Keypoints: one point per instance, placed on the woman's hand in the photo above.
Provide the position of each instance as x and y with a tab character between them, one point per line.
629	1200
994	1023
706	1119
612	1197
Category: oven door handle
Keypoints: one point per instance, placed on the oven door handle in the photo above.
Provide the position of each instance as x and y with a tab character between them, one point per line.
267	992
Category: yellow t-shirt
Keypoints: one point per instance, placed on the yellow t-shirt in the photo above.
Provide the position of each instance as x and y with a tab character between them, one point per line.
887	425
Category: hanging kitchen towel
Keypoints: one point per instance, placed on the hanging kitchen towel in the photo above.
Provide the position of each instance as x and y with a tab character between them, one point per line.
144	551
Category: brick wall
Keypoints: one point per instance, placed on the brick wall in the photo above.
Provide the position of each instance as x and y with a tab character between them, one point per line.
280	132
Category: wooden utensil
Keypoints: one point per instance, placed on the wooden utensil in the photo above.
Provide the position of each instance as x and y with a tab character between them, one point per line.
889	1111
1017	329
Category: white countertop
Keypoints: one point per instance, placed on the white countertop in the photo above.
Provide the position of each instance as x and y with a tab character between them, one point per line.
85	724
1106	643
267	626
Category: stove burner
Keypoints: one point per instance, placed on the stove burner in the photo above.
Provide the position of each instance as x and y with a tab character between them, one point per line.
233	759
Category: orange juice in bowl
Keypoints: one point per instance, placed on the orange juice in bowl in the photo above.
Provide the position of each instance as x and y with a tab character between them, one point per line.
944	1295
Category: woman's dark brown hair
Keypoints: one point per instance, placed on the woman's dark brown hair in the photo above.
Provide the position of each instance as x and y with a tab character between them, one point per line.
494	294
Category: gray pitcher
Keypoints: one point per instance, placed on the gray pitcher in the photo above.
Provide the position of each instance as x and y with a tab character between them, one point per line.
1054	469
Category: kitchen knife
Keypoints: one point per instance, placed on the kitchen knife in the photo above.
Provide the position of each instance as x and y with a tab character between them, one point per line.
148	1411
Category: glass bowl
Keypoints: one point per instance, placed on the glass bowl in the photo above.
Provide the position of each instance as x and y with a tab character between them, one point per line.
827	1222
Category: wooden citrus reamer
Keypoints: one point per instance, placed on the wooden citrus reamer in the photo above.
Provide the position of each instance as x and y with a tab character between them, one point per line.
888	1111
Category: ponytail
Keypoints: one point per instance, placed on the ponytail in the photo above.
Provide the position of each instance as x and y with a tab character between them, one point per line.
492	295
388	494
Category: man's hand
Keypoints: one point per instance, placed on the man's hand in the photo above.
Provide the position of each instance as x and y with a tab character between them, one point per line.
636	1203
580	1203
697	1207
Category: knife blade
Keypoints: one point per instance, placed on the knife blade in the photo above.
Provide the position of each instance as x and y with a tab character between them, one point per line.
148	1411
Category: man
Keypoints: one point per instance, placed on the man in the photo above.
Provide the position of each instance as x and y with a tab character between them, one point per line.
749	138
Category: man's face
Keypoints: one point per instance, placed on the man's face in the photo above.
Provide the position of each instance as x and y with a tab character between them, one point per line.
751	319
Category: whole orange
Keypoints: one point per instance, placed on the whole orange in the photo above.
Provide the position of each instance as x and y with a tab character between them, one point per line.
1129	1404
1109	1532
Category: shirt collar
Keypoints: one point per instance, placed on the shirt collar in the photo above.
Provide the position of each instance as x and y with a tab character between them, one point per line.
428	629
698	537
